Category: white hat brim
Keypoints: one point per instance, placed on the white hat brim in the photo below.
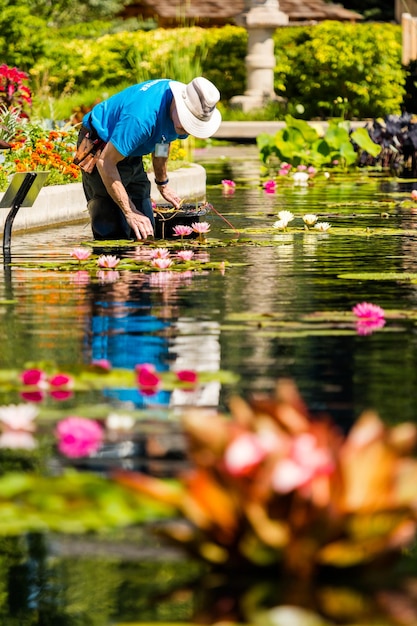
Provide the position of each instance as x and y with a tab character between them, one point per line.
191	124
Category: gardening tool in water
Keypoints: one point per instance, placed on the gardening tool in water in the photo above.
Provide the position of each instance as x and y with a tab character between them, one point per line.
167	217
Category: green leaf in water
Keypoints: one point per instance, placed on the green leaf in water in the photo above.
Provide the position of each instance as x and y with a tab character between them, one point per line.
393	276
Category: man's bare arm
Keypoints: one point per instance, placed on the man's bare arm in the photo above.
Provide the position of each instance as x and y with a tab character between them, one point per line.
107	167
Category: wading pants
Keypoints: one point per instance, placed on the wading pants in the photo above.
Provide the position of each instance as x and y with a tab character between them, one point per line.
107	219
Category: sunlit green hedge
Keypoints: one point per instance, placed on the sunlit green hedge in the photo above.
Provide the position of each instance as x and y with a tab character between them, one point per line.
129	57
330	69
335	68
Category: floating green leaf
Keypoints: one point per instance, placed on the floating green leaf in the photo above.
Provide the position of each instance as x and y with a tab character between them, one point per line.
408	277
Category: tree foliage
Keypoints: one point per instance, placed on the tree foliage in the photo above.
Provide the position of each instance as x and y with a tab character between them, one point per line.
62	12
22	35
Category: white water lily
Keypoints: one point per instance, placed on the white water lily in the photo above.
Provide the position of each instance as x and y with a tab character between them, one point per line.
117	421
18	416
322	226
280	224
17	440
286	216
300	178
310	219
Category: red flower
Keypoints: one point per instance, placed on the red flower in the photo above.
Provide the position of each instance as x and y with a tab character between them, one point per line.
147	377
59	380
187	376
33	377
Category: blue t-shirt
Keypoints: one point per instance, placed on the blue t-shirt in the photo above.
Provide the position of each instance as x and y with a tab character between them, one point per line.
136	119
128	339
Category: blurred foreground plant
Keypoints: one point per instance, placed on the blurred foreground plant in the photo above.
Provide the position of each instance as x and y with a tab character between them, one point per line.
272	485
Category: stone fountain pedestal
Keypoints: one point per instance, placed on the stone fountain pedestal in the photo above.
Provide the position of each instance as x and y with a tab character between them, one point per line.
261	18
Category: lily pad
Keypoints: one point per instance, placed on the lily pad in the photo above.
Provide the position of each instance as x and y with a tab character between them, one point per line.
405	277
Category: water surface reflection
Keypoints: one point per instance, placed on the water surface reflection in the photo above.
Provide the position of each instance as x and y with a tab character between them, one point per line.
251	320
170	320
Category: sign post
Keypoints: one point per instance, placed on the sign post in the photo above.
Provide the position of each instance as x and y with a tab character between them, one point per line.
22	191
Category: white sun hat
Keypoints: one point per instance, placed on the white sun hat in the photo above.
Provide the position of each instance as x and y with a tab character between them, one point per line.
196	106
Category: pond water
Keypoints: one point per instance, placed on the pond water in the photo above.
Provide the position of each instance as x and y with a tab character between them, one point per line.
282	309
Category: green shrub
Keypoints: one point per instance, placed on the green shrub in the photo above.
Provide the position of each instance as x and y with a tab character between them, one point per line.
129	57
225	61
332	69
335	68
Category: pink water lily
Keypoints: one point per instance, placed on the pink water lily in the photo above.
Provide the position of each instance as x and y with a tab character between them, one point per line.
108	261
187	376
60	386
34	377
61	394
80	278
78	437
200	227
284	169
203	257
61	380
33	396
57	385
367	327
160	253
81	254
161	263
103	364
229	186
185	255
368	311
270	186
182	231
108	276
147	377
414	194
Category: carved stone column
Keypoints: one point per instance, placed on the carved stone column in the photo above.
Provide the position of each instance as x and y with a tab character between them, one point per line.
261	18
